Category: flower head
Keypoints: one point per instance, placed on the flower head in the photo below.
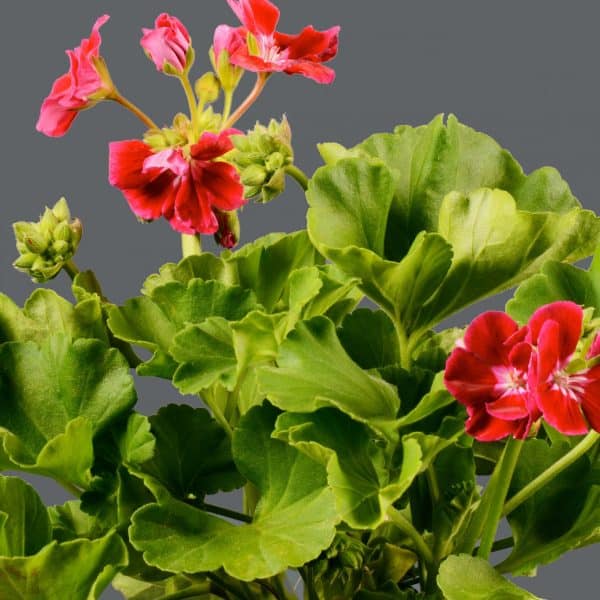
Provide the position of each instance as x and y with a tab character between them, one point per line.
184	185
86	83
488	373
168	45
257	46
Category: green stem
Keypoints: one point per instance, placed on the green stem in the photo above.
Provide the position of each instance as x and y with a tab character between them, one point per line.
71	268
586	444
497	490
261	81
403	345
225	512
406	527
192	591
224	585
72	489
434	486
192	102
190	245
228	100
130	106
298	175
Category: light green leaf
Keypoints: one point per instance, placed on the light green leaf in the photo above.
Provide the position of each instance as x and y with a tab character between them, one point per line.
363	483
46	313
294	520
69	522
77	570
562	516
314	372
24	523
135	589
78	389
464	577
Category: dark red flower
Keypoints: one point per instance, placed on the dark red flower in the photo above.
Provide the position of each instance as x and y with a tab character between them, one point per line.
80	88
184	187
569	398
488	374
267	50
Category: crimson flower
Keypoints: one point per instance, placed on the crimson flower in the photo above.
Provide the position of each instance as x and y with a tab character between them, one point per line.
488	374
167	44
186	187
267	50
569	398
81	87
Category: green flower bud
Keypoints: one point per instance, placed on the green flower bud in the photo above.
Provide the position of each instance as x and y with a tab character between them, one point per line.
25	260
275	186
208	88
275	161
254	175
229	75
61	210
36	242
62	232
48	221
60	247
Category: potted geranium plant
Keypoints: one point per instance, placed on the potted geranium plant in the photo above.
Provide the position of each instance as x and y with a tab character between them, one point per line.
359	435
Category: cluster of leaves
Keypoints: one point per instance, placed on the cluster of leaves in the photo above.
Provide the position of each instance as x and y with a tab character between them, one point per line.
352	455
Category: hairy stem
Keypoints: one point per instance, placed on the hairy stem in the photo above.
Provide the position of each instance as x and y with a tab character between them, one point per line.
409	530
190	245
130	106
586	444
71	268
192	102
299	175
261	80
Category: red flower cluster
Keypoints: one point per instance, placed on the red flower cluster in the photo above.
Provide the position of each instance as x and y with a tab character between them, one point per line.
509	376
258	47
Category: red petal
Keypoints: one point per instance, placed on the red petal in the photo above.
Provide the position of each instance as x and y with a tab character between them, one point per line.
485	428
569	317
509	407
315	45
126	163
590	403
192	208
594	348
313	70
259	16
152	200
255	64
222	183
562	412
54	119
469	379
486	335
212	145
520	356
548	356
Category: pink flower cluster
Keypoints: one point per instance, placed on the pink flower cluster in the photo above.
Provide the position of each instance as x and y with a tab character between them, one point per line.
508	377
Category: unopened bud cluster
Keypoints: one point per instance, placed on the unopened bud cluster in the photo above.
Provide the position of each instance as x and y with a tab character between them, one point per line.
262	156
45	246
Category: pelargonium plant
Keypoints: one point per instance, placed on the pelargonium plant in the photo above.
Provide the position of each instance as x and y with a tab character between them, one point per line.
376	451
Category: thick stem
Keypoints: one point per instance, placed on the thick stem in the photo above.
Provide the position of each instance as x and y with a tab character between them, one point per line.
193	591
71	268
298	175
586	444
409	530
261	80
190	245
498	489
130	106
225	512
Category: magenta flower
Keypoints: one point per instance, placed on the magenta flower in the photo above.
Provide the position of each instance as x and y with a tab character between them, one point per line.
267	50
168	44
186	188
80	88
568	398
488	374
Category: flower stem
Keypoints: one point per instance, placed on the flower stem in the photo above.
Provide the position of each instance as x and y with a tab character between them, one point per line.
130	106
225	512
496	491
71	268
190	245
193	591
409	529
299	175
261	80
192	102
587	443
227	105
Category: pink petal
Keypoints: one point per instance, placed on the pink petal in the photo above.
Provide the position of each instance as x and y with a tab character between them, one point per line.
170	159
569	317
255	64
55	119
594	348
486	335
562	412
228	38
258	16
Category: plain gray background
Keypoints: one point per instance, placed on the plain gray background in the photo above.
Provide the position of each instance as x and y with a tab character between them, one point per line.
524	72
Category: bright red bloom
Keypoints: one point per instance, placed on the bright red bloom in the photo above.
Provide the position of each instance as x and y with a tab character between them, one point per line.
488	374
184	188
168	43
569	400
271	50
76	90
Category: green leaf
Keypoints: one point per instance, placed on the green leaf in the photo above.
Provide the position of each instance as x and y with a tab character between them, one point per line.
135	589
370	339
465	577
294	520
46	313
562	516
69	522
314	372
557	281
192	456
77	570
363	483
78	389
152	322
24	523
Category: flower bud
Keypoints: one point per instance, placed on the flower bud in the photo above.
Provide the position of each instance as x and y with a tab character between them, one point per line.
229	75
228	233
168	45
254	175
45	246
208	88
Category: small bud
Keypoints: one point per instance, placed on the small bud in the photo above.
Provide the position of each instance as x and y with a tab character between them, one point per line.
253	176
208	88
60	247
228	233
76	233
275	161
62	232
61	210
48	221
229	75
36	243
275	186
25	260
